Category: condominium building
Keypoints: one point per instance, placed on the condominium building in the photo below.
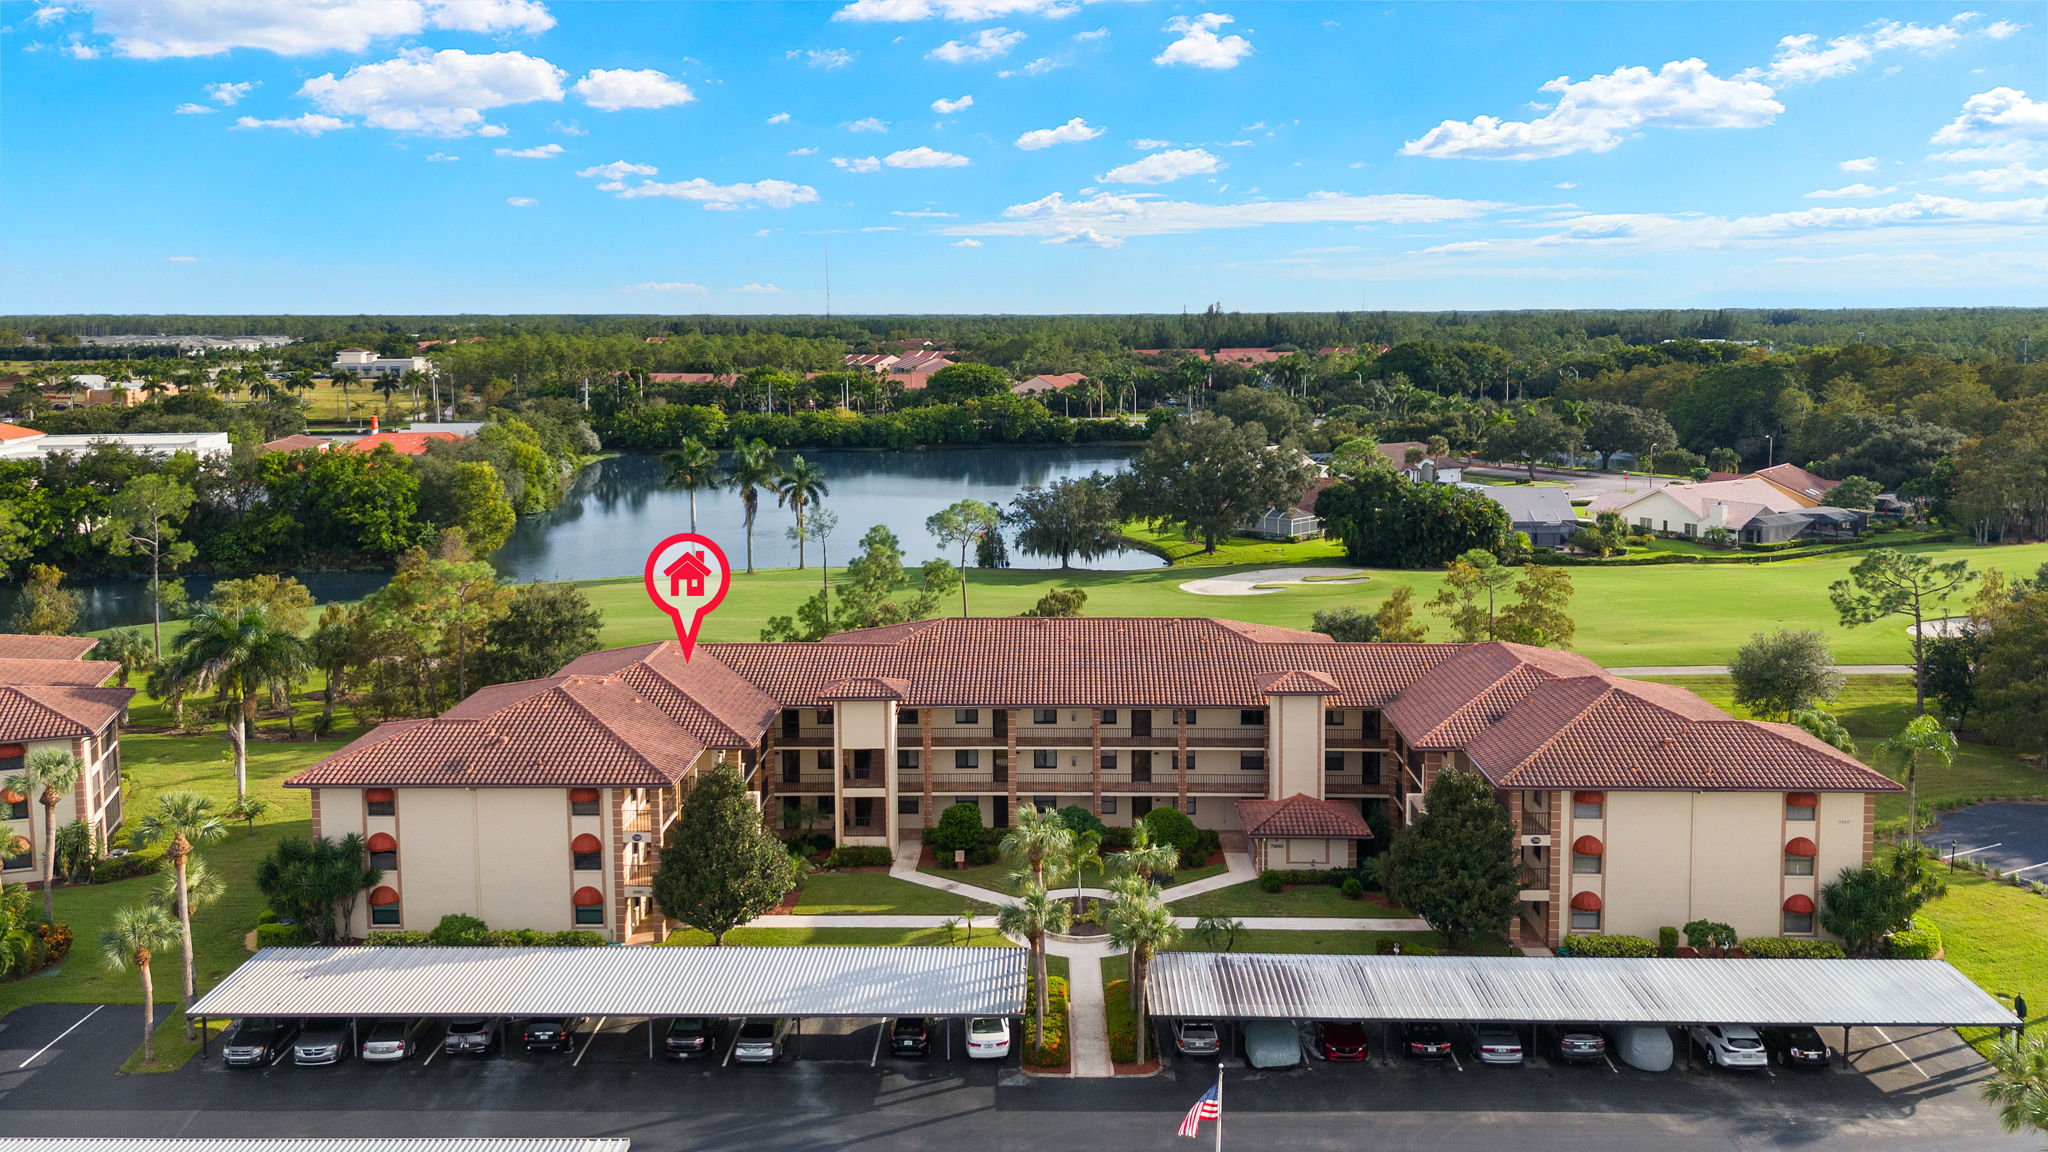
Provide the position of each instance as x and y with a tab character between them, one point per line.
52	697
1635	805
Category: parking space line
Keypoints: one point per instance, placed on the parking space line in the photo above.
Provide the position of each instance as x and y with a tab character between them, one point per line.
2028	868
595	1029
1902	1054
60	1036
1455	1062
1610	1063
432	1051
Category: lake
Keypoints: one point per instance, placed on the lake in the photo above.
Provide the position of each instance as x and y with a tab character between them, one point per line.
616	510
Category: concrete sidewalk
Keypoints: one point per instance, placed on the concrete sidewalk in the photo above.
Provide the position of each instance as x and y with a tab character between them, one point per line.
1238	870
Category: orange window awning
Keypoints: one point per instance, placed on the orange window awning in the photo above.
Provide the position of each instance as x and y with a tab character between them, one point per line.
1802	800
586	843
383	896
1586	902
588	898
1799	903
1801	846
583	795
1589	797
383	842
1588	846
379	795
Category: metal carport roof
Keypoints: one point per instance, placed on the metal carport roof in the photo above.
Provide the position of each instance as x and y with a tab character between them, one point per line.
311	1144
695	981
1563	990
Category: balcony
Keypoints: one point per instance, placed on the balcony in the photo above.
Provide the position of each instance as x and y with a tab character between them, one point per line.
875	779
1344	741
809	740
1353	785
1535	824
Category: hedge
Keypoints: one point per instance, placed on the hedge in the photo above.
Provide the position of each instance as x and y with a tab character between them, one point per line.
1605	946
1920	942
1791	948
141	862
860	856
1054	1053
497	938
1560	560
280	935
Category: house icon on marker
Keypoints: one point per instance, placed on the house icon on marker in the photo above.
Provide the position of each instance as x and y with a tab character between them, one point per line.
686	576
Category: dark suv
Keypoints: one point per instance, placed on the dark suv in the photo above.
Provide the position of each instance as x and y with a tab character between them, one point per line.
259	1042
688	1037
1798	1046
550	1034
910	1036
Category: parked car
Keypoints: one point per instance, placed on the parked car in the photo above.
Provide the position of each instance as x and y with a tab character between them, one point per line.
910	1036
688	1037
1644	1046
1797	1046
1197	1038
1730	1045
258	1042
326	1042
1577	1043
386	1040
1271	1044
1425	1038
988	1038
1341	1040
1496	1044
470	1037
760	1040
549	1034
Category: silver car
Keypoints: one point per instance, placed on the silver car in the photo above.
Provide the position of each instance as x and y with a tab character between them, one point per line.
1197	1038
387	1040
324	1042
760	1040
1496	1044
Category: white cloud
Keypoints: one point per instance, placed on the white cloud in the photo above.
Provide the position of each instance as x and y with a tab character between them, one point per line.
925	214
1038	67
824	58
181	259
987	44
1567	185
779	118
1113	217
758	232
1860	164
757	288
570	128
665	286
1848	192
1200	47
859	163
522	201
311	124
1072	132
1989	153
1164	167
1596	114
867	124
619	170
923	157
441	93
173	28
965	242
1086	238
611	89
537	152
441	158
1147	143
723	197
229	93
2002	29
79	50
1091	35
803	152
945	107
964	11
192	110
882	228
1999	117
48	14
2013	177
1805	58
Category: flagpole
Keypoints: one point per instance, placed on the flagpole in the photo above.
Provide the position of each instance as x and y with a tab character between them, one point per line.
1219	1106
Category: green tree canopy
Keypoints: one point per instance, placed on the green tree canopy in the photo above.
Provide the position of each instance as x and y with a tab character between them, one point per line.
1780	673
1455	865
721	867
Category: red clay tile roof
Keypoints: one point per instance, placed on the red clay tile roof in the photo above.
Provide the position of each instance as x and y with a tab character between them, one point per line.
1296	682
1475	686
17	432
403	443
84	673
1798	480
866	688
1301	817
58	711
296	443
16	646
710	701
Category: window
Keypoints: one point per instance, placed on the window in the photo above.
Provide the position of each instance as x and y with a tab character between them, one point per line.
1045	803
1798	865
1108	716
384	915
386	861
1109	761
583	802
1045	715
906	715
1798	923
792	767
593	914
825	760
1334	717
791	722
863	763
1191	805
27	857
1371	722
1109	805
1251	717
824	717
1585	921
378	804
906	805
1588	809
908	759
589	861
1045	758
966	715
1333	762
825	805
1252	761
18	809
967	759
1798	811
1585	865
1372	767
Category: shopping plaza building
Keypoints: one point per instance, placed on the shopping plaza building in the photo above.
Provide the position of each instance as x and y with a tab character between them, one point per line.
543	804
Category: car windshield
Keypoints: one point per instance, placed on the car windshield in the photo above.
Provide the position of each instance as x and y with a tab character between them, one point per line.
686	1028
1198	1029
757	1030
466	1026
987	1027
1744	1042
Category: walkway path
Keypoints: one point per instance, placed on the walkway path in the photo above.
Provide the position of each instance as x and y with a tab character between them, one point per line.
1087	1014
1722	670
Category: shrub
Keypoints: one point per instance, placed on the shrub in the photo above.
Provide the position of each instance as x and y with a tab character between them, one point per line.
280	935
395	938
1920	942
455	928
1054	1053
141	862
1791	948
1352	889
577	938
1711	937
959	830
53	941
860	856
1667	941
1172	826
1270	882
1603	946
1079	820
1116	839
267	916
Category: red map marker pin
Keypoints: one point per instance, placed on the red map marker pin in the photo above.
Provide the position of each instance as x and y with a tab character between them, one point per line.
687	576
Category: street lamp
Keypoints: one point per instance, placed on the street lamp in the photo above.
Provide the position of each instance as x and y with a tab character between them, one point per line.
1770	450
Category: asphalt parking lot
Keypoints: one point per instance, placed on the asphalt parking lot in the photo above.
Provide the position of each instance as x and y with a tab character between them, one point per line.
1913	1091
2009	837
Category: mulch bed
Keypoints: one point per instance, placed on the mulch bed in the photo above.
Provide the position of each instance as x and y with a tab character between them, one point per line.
1148	1068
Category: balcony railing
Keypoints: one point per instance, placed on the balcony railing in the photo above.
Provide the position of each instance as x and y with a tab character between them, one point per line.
812	786
874	778
1352	785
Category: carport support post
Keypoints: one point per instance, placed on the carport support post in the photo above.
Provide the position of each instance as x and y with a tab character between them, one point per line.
650	1037
1845	1046
202	1038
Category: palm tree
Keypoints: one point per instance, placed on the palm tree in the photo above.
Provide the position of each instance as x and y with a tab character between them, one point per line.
299	381
799	486
1036	835
1084	849
1139	923
413	379
154	385
238	654
693	467
1033	916
45	777
137	933
1143	858
752	469
180	818
2021	1087
387	386
1923	740
342	378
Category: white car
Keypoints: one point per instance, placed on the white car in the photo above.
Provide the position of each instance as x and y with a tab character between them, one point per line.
988	1038
1730	1045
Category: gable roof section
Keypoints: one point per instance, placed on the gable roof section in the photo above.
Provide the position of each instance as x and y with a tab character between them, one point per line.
297	442
19	646
1533	505
1797	481
713	704
58	711
1474	688
17	432
82	673
1300	817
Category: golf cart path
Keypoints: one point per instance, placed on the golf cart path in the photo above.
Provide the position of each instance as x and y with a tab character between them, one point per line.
1722	670
1263	581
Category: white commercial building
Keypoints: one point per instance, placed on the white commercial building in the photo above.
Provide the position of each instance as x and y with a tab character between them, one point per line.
19	443
364	362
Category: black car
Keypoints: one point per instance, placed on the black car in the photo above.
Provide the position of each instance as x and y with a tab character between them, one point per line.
549	1034
1797	1046
471	1037
1578	1043
688	1037
259	1042
910	1036
1426	1038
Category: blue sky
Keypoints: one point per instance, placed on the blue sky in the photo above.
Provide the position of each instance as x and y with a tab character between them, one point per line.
1017	155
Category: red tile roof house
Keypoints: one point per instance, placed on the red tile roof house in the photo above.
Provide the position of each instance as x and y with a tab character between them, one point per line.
691	378
1039	385
1635	805
403	443
51	696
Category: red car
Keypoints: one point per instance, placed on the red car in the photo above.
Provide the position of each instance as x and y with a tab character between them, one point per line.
1340	1040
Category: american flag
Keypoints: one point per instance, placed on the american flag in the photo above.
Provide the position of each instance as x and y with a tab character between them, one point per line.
1209	1107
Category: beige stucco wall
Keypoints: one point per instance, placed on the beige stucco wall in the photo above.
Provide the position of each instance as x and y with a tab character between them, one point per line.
501	854
1294	748
865	723
93	798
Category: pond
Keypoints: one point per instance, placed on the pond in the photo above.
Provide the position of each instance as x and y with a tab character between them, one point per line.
617	509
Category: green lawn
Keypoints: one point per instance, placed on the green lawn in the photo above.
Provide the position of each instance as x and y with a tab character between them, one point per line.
985	936
872	894
1309	900
1994	933
996	877
1237	549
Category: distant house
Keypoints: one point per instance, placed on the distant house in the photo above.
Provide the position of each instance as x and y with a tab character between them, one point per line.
1427	469
1041	384
53	699
298	443
403	443
364	362
1544	513
18	443
922	362
1247	355
1696	509
691	378
1297	521
870	361
1804	524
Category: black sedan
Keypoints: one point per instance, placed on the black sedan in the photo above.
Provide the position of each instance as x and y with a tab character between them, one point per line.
910	1036
687	1038
1796	1046
549	1034
1425	1038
